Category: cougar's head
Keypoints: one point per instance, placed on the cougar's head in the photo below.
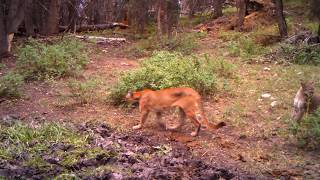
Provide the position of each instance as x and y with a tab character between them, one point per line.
308	89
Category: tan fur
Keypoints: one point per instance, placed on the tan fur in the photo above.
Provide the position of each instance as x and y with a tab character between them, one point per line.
305	101
187	100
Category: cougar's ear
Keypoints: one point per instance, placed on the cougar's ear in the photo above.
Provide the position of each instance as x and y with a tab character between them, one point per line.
302	83
312	83
129	94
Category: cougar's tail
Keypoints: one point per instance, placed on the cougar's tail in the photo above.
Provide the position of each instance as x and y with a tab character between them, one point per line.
213	126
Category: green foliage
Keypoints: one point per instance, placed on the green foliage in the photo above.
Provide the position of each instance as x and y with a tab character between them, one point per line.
246	48
308	131
83	91
301	54
38	60
19	138
165	69
185	43
10	84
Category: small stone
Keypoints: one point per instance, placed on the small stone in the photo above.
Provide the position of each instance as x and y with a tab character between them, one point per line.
125	64
266	69
266	95
274	103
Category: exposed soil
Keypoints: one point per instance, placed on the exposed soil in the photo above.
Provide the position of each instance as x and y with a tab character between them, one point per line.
139	156
228	153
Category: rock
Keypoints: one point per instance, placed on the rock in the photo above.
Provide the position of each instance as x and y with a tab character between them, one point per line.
266	95
266	69
274	103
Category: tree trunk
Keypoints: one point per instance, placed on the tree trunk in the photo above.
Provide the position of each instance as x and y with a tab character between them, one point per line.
3	34
281	20
9	24
159	24
242	7
319	30
217	8
28	18
51	26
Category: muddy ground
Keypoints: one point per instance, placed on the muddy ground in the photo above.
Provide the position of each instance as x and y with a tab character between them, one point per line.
133	156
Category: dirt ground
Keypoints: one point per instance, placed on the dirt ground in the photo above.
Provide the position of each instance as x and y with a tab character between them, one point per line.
254	150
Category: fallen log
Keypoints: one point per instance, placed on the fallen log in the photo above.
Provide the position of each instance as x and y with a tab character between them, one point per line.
95	27
102	40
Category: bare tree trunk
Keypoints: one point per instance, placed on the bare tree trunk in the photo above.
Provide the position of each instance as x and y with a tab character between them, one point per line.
242	7
319	30
10	22
173	12
217	8
281	20
28	18
159	23
53	17
3	34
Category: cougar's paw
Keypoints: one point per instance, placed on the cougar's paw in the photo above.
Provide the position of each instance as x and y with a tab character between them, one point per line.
137	127
193	134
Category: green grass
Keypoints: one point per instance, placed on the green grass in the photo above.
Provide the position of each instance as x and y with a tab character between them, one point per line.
185	43
84	92
229	11
308	131
165	69
10	85
36	142
38	60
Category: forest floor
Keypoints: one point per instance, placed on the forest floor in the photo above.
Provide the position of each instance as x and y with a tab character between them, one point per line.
255	144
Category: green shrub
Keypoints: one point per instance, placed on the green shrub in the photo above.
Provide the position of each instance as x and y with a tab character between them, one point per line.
10	84
165	69
19	139
308	131
84	92
245	47
38	60
301	54
184	43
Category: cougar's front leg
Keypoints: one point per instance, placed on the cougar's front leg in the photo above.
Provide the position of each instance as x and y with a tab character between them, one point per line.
144	116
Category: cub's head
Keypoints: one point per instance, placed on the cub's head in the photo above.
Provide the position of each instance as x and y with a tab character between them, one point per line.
133	96
307	89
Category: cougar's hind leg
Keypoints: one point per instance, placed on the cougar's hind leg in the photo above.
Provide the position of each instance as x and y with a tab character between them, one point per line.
144	116
196	123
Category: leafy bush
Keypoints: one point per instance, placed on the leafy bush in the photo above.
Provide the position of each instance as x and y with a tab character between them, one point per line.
185	43
37	60
165	69
301	54
10	84
83	91
246	48
19	139
308	131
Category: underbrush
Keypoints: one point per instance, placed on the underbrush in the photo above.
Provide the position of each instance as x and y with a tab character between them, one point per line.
301	53
308	131
240	44
184	43
165	69
10	85
33	146
38	61
84	92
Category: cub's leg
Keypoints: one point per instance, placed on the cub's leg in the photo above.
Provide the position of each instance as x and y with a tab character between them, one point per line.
182	117
144	116
158	120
